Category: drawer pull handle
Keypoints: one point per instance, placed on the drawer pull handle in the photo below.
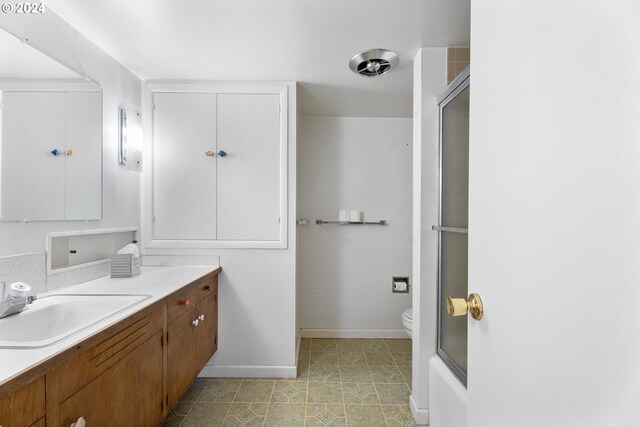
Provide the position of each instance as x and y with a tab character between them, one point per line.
201	318
208	288
195	322
185	302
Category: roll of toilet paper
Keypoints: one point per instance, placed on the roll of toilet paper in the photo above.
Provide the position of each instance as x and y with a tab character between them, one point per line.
356	216
400	286
19	290
343	216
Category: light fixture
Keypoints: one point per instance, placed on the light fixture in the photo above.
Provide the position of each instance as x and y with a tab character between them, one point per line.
122	136
373	62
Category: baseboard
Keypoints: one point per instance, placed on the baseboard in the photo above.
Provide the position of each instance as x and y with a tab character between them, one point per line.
354	333
231	371
421	416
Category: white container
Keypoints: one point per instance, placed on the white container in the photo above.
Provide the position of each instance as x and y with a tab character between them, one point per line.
124	265
343	216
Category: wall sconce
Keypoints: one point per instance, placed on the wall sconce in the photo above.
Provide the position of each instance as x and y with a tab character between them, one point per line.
130	138
122	136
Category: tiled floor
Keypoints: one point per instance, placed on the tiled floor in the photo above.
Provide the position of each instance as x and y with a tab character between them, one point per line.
341	382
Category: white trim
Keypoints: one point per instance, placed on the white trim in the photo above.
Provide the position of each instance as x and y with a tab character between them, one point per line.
421	416
284	90
298	341
236	371
354	333
43	85
50	236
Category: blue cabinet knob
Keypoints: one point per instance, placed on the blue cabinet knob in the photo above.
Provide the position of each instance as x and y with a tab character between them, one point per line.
222	153
55	152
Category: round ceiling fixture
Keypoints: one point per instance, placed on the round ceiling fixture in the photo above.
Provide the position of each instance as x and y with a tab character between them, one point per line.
373	62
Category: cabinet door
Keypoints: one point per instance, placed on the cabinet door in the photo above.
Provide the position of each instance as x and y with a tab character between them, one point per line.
83	184
33	124
181	356
184	177
207	330
249	175
127	394
25	406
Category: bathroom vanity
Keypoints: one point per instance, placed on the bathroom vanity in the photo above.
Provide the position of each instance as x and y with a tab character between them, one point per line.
129	369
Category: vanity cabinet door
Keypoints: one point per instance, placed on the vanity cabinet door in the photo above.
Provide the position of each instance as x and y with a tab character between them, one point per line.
127	394
23	407
181	356
207	329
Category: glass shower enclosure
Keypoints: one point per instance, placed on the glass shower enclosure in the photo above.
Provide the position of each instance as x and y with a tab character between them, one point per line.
453	225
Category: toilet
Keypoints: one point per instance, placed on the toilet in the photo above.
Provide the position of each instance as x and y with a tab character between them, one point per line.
407	321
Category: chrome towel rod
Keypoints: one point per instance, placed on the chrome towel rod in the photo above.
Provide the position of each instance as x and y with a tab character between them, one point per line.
450	229
381	222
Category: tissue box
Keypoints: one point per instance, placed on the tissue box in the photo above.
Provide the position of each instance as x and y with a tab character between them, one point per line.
125	265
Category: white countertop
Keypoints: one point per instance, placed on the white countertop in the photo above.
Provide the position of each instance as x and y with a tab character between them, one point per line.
155	281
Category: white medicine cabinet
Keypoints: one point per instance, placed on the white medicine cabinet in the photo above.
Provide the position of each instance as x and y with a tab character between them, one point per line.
219	166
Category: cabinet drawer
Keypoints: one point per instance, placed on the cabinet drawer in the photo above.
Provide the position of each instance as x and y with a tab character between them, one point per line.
78	371
180	303
206	287
24	407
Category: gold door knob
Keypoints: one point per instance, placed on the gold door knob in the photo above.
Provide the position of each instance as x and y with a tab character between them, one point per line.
209	153
68	152
460	307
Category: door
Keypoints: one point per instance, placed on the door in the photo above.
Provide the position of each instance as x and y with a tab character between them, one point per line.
554	214
33	125
249	174
184	166
453	227
207	329
129	393
182	355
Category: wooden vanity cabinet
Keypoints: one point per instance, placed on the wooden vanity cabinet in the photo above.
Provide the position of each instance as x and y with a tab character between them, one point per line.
192	338
116	381
129	374
24	407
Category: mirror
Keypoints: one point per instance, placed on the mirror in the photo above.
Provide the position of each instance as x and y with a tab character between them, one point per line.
50	138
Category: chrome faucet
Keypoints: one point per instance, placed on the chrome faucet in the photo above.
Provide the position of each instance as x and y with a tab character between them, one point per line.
13	305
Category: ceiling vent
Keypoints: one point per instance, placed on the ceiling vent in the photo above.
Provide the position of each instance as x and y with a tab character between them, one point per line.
373	62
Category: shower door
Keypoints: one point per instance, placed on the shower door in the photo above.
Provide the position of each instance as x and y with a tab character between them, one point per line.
453	222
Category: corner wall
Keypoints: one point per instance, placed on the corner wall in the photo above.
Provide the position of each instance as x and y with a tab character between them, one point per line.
257	287
430	80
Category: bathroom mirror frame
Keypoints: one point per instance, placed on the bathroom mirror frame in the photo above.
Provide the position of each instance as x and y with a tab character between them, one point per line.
34	188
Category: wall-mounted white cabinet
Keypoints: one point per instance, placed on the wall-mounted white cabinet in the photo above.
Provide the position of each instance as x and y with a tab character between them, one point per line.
51	151
219	157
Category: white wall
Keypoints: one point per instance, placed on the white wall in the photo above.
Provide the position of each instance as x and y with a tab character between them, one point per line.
430	80
257	287
345	271
121	187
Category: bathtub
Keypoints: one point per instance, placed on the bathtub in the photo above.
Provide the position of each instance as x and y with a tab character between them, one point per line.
447	397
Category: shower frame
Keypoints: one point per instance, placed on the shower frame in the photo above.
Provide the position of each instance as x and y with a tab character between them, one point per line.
459	84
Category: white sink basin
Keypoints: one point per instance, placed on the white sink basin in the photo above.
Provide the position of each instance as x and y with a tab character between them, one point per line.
52	318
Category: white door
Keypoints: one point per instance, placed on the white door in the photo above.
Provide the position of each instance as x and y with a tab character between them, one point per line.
249	174
83	187
33	125
184	174
554	213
